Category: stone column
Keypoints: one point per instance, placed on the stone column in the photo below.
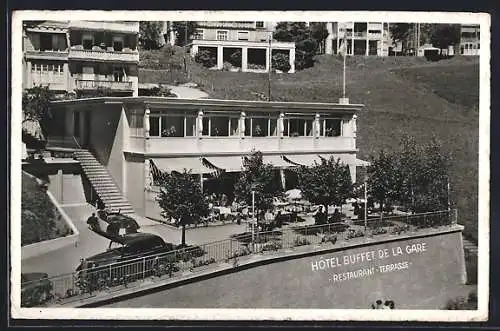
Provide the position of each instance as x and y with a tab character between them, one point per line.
354	125
244	59
328	46
220	57
199	124
292	60
281	125
283	178
317	126
29	76
243	116
194	50
146	123
67	77
367	52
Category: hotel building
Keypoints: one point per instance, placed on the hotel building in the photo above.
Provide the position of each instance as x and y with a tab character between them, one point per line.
81	56
136	137
469	40
362	38
252	39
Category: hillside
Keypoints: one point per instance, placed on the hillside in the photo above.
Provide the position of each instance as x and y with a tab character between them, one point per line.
402	95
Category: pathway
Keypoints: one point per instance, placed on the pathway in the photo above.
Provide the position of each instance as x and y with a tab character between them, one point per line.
187	91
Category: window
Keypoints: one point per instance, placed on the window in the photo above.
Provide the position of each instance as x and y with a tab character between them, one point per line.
118	74
259	24
332	127
234	129
219	126
298	127
172	126
45	42
87	41
221	35
154	126
136	122
198	34
206	126
260	127
190	126
242	35
117	44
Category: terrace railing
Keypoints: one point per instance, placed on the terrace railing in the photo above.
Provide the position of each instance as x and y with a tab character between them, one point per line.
85	283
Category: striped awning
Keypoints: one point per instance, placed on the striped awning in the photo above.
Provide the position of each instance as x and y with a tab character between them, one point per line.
277	161
192	164
224	163
307	160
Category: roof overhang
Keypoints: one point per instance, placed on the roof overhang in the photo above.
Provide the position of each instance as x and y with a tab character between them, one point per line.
217	104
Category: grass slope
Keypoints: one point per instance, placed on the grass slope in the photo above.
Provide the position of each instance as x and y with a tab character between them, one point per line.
40	220
403	95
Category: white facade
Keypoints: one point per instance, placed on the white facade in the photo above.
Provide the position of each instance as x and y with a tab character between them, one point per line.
361	38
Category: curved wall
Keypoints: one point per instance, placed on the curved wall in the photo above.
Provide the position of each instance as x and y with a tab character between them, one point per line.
418	273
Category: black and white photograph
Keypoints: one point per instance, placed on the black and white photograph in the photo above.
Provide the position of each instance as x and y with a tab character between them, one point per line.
250	165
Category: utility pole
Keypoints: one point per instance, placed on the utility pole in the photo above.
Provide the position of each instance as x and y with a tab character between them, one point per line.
366	205
270	58
253	219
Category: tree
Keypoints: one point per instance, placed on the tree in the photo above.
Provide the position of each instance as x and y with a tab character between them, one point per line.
258	177
181	198
433	179
400	32
36	115
444	35
319	33
150	34
184	31
305	45
383	180
326	183
410	157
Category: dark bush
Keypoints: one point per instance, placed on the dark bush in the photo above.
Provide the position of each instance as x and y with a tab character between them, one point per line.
205	58
235	59
281	62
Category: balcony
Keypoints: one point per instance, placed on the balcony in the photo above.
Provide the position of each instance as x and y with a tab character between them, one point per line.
88	84
56	82
102	55
227	25
126	27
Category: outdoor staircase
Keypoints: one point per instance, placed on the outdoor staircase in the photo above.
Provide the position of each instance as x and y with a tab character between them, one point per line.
103	184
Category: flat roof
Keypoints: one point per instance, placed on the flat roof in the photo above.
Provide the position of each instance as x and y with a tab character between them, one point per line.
155	102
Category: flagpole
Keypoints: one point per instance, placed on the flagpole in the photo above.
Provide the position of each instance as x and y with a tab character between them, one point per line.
343	80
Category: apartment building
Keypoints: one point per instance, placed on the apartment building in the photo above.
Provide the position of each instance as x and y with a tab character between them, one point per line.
362	38
252	39
81	56
469	39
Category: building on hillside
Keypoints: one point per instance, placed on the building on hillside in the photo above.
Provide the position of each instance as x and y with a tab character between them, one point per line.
253	41
81	56
469	39
362	38
135	138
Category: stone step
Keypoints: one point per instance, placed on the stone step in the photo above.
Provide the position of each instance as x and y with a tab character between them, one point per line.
103	183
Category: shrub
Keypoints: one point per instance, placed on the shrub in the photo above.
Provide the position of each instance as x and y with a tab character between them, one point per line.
205	58
281	62
398	229
329	238
379	231
272	246
301	241
354	234
235	59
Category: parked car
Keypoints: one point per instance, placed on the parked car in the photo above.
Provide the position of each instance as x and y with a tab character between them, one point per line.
36	289
132	247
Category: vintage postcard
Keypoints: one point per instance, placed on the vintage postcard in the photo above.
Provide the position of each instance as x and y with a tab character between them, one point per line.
227	165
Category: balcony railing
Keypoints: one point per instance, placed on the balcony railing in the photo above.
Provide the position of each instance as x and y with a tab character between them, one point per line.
88	84
101	55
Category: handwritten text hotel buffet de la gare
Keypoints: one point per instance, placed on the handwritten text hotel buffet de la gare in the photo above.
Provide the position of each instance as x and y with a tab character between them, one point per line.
360	258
